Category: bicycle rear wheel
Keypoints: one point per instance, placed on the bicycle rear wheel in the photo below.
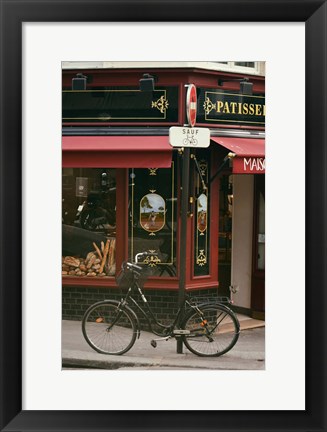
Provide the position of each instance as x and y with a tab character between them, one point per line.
214	330
108	328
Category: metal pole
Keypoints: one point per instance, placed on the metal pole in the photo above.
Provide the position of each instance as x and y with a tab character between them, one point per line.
183	235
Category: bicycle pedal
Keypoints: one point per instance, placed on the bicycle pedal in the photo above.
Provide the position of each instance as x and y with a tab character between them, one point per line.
154	343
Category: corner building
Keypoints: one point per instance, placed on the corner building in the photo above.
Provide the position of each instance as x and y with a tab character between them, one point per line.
121	185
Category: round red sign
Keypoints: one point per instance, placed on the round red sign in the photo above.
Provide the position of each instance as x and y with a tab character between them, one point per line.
191	101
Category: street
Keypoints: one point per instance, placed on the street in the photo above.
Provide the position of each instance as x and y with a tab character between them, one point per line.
247	354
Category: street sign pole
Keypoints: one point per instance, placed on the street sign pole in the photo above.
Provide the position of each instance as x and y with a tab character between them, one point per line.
183	235
188	140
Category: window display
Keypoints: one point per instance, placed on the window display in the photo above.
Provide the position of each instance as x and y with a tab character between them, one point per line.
88	222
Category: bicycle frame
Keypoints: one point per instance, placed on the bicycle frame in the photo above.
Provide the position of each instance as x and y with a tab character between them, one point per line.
167	329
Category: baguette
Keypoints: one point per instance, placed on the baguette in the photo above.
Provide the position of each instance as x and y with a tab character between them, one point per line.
97	250
91	261
105	253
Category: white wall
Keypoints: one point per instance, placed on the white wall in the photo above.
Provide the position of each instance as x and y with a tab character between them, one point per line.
242	239
258	70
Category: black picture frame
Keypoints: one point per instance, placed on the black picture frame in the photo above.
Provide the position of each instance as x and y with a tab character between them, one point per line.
13	14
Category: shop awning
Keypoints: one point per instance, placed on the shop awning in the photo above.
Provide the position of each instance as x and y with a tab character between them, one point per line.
116	152
250	154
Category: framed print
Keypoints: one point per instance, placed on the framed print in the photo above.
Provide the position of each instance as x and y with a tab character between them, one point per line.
36	37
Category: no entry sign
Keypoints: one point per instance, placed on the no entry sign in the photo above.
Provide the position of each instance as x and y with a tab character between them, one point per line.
191	102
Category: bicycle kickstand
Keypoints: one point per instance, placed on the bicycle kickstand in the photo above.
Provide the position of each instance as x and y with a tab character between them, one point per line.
154	341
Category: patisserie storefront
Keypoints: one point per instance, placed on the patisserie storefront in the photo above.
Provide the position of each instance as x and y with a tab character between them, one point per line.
122	186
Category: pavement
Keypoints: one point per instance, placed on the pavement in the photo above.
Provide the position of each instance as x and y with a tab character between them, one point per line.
247	354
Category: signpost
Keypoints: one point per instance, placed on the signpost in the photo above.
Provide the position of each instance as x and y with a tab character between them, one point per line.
186	138
183	235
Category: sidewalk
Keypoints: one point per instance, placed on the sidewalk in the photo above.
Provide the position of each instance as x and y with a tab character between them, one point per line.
247	354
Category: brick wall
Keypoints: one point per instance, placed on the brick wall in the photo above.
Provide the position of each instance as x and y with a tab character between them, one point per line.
163	303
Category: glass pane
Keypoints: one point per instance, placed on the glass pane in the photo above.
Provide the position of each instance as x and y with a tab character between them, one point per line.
261	235
202	212
225	219
88	222
245	64
152	218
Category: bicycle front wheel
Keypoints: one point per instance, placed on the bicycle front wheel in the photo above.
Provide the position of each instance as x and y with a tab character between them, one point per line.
214	330
108	328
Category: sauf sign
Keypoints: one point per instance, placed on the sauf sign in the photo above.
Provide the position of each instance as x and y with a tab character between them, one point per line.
189	137
249	165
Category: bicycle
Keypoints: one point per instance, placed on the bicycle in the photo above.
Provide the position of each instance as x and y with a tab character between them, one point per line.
209	328
190	141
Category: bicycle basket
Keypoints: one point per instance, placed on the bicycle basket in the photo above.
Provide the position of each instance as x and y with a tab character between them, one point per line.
125	279
144	275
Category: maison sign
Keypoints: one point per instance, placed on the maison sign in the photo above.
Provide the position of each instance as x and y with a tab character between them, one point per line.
249	165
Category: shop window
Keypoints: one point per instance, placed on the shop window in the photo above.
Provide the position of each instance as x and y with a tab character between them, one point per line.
202	212
88	222
152	218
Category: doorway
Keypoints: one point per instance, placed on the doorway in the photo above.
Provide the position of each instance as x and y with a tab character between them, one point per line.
258	250
225	234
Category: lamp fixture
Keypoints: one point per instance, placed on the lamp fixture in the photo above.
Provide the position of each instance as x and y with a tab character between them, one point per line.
246	87
147	82
79	82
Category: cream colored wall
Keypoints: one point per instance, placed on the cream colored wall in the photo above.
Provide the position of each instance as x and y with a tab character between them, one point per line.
259	70
242	239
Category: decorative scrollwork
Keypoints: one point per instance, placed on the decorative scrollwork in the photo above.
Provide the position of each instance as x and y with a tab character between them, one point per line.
153	171
203	165
152	260
161	104
208	105
201	259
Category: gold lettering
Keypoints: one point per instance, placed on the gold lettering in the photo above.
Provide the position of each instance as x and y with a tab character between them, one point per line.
258	110
226	108
220	104
233	105
239	108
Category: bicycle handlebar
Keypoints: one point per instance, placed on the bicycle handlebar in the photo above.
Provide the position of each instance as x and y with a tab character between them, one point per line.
130	265
139	255
142	254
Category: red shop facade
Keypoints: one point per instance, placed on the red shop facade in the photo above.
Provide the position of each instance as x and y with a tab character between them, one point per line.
121	186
